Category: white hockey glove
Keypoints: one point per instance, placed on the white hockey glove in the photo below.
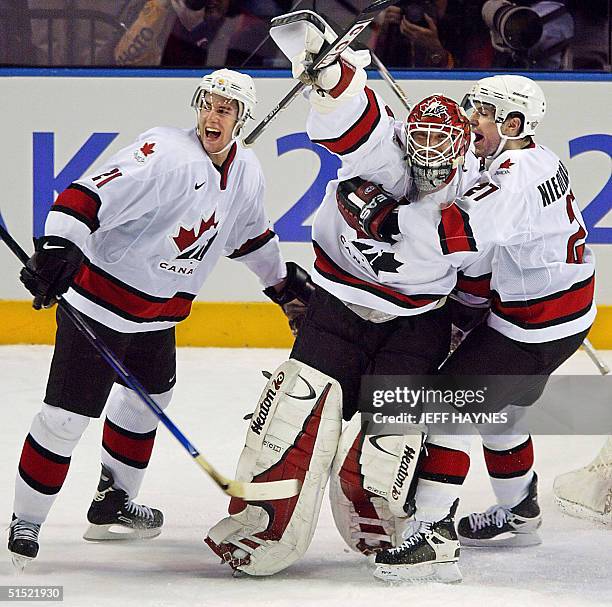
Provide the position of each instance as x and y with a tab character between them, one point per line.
370	486
300	37
293	433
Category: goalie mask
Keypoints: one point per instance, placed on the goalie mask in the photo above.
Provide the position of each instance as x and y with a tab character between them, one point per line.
231	85
437	139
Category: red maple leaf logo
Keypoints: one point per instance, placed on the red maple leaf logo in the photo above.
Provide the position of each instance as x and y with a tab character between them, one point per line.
506	164
185	238
147	149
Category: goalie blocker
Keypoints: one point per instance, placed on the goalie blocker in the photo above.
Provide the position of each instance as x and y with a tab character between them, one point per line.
293	433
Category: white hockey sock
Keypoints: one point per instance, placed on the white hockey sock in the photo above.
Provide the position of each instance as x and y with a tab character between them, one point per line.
44	461
128	437
509	461
441	474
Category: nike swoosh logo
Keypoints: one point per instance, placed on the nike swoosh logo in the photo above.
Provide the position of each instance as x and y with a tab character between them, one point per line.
311	392
374	442
46	245
199	185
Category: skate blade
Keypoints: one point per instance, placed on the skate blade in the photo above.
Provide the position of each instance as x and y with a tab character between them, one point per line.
579	511
20	562
115	532
445	573
505	540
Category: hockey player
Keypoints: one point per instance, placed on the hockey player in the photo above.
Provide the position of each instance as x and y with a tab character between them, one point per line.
131	246
540	285
383	267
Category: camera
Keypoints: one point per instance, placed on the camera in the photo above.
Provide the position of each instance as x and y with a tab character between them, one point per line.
415	10
512	27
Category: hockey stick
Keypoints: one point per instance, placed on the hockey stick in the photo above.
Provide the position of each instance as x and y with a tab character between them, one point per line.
390	80
247	491
380	66
327	55
599	363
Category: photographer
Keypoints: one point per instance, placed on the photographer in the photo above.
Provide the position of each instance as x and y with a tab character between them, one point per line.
529	34
439	34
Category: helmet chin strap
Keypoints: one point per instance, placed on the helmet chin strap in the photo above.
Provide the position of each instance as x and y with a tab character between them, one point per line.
235	134
503	141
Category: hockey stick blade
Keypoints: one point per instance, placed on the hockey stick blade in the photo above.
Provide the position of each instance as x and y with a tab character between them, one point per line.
251	492
248	491
327	55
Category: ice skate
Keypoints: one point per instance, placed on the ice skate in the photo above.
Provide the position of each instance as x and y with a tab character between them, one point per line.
501	526
113	516
22	542
429	553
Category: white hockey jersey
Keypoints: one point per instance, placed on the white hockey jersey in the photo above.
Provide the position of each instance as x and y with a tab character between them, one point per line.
152	223
540	276
415	274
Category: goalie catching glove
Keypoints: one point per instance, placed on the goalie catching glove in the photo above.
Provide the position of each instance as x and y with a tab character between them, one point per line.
368	209
370	487
293	433
300	36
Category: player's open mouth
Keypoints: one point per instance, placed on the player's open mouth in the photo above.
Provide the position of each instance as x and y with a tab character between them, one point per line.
212	134
478	137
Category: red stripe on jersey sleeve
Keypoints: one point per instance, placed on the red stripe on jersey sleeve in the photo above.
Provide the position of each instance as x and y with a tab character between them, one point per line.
253	244
347	72
454	231
81	203
350	140
111	293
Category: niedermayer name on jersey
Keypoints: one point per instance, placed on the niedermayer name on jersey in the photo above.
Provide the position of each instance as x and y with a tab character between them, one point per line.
556	187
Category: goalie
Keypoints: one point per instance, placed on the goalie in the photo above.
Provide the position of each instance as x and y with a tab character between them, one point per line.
371	313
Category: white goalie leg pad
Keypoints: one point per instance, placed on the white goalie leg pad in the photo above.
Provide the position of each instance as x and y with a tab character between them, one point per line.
369	486
293	433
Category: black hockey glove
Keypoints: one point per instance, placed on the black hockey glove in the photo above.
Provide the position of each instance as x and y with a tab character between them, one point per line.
49	272
294	296
368	209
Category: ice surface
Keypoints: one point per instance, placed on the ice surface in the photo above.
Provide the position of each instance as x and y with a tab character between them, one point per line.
215	389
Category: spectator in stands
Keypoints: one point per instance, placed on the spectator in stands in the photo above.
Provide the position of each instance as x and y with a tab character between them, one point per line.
223	32
434	34
63	32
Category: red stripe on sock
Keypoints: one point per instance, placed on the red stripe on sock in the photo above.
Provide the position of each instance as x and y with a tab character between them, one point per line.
516	461
442	461
135	449
38	463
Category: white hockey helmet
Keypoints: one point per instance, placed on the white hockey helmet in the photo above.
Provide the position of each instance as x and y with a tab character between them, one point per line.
510	93
232	85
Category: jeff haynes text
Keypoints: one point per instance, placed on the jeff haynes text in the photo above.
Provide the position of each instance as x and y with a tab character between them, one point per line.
441	417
